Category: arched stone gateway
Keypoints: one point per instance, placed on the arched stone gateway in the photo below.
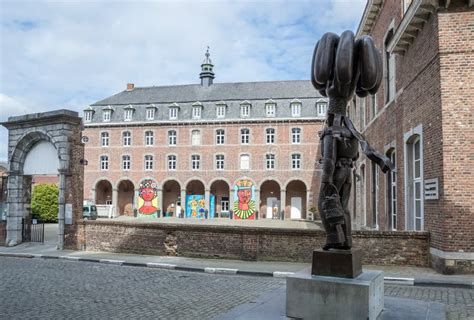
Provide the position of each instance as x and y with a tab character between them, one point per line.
49	135
126	191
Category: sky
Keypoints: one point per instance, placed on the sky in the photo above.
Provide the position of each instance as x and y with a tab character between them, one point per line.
70	54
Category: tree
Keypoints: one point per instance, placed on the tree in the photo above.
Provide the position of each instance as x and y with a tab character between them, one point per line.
44	202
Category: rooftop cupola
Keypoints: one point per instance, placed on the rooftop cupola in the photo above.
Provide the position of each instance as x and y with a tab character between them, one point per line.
207	74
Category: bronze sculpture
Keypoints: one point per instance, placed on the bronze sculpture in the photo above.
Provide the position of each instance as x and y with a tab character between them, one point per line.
341	67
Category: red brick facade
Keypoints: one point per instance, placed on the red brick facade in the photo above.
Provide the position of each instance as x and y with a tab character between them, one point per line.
433	103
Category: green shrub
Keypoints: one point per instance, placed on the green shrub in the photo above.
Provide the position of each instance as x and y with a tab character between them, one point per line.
44	202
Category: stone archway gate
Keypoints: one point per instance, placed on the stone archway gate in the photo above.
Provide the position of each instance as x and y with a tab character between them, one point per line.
62	128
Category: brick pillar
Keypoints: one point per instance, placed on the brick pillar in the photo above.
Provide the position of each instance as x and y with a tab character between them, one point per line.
93	195
283	202
231	201
61	208
160	202
183	202
207	201
308	203
18	199
257	203
114	202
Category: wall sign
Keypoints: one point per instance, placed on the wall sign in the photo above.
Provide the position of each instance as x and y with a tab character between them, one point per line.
431	189
68	213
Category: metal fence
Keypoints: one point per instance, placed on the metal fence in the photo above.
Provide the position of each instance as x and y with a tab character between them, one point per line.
33	231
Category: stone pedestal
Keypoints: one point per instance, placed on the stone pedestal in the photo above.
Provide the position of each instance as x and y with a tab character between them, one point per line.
321	297
337	263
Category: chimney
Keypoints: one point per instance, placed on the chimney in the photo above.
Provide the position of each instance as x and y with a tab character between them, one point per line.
130	86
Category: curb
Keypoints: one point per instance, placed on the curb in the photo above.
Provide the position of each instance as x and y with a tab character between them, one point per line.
229	271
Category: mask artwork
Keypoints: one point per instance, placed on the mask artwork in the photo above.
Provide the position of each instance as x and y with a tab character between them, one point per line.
147	199
244	200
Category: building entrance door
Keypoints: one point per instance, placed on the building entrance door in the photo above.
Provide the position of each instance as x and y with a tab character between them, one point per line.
295	207
271	202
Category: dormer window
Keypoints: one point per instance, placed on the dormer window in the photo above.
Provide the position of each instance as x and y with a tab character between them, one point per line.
295	106
270	108
150	112
128	113
107	114
245	109
196	111
88	113
173	111
321	108
220	109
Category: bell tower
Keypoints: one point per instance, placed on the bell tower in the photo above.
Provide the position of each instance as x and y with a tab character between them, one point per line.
207	74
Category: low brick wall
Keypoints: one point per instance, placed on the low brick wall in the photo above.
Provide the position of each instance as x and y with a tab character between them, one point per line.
3	232
247	243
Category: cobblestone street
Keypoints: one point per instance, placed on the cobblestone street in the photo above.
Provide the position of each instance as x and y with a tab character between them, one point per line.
44	288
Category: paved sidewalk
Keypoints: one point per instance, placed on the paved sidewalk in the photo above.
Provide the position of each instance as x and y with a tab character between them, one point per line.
393	274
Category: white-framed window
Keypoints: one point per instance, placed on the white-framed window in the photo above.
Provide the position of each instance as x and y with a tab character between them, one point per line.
173	113
172	162
389	81
104	162
245	110
295	109
224	204
220	136
270	109
219	162
126	163
149	138
150	113
392	193
128	114
295	135
104	139
88	116
373	104
148	162
220	110
126	138
197	112
106	115
362	116
375	195
296	161
244	162
270	161
270	135
414	191
195	162
321	108
195	137
244	136
172	137
417	185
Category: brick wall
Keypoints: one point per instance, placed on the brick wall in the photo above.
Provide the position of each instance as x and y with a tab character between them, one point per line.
248	243
3	232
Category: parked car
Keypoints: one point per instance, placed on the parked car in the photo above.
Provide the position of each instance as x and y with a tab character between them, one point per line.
89	212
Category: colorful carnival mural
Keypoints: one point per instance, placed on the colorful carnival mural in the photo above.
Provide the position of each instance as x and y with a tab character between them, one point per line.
147	200
196	206
244	200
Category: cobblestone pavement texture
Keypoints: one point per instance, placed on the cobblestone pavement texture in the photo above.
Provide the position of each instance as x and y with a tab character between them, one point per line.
55	289
459	302
50	288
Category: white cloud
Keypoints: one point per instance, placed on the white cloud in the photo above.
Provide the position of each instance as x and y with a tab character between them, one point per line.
72	53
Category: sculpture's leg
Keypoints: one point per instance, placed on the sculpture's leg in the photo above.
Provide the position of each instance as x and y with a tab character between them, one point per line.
342	180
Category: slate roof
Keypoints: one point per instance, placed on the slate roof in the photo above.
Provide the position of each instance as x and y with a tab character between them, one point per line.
215	92
232	94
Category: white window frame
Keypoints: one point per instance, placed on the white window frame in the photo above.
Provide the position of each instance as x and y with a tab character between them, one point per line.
296	109
270	161
225	204
219	161
196	112
220	136
126	139
295	161
296	136
245	110
196	140
149	139
321	108
393	193
270	137
88	116
106	115
104	139
150	113
270	109
126	162
172	162
128	114
409	139
242	163
173	113
195	162
244	137
172	138
104	162
220	111
148	162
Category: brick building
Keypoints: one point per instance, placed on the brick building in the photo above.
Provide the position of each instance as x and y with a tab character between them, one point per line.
422	117
250	148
